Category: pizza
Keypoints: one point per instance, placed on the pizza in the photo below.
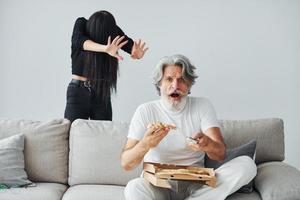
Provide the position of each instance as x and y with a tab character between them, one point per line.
161	126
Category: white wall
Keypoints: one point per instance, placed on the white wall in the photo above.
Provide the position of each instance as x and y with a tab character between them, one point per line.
247	54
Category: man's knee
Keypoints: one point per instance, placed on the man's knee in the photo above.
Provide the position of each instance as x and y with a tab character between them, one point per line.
242	166
247	167
135	186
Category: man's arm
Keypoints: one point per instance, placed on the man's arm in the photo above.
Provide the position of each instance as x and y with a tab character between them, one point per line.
211	142
133	153
135	150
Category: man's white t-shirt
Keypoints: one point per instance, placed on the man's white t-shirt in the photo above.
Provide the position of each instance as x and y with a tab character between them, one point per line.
197	115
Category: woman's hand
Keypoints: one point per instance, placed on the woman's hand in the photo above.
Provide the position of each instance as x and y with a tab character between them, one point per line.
138	50
112	47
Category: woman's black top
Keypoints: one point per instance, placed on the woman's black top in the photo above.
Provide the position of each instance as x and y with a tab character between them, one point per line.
79	36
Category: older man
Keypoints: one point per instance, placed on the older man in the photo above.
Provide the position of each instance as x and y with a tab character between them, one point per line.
194	117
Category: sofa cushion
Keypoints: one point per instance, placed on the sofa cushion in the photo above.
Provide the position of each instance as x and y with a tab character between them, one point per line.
277	180
44	191
267	132
247	149
238	196
94	192
46	147
112	192
95	150
12	167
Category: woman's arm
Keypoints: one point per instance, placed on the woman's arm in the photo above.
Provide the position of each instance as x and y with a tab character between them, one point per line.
81	41
128	47
137	50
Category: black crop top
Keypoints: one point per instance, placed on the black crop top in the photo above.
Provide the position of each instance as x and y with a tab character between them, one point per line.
79	36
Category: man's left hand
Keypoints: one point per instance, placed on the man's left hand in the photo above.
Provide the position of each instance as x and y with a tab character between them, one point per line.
203	142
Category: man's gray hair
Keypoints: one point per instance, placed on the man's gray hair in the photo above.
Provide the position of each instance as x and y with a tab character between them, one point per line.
188	70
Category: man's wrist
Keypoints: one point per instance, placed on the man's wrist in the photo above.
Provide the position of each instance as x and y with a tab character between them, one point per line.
144	146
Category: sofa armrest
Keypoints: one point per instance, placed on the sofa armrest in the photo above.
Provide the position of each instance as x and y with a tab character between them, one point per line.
277	181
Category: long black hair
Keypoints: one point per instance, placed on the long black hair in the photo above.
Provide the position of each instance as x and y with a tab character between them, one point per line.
101	69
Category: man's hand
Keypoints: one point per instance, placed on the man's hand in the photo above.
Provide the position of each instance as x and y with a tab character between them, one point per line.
112	47
211	143
202	142
138	50
154	135
135	150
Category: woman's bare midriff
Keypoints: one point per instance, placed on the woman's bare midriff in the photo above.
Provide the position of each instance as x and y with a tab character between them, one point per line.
81	78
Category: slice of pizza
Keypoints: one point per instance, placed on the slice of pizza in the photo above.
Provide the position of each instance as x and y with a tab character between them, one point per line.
161	126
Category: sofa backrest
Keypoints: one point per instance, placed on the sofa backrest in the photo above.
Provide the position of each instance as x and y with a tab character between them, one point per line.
95	147
268	133
95	150
46	147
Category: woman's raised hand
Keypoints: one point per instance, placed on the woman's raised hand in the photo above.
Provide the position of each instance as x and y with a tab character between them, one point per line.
112	47
138	49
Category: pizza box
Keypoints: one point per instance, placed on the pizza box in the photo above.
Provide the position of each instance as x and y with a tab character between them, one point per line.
159	174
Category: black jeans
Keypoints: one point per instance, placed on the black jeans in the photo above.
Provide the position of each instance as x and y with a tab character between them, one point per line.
83	103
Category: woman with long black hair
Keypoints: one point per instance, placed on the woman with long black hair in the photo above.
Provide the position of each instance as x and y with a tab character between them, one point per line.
95	45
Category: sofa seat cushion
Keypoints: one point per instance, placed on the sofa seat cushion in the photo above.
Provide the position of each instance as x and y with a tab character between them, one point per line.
238	196
44	191
112	192
94	192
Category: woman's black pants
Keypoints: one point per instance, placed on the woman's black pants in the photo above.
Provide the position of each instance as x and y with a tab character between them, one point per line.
83	103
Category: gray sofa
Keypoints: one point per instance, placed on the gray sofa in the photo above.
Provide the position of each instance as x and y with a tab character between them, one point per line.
83	161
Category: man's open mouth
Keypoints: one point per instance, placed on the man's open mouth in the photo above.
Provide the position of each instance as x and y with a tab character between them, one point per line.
174	95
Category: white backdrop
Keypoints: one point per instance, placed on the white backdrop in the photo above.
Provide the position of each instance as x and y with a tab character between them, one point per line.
247	54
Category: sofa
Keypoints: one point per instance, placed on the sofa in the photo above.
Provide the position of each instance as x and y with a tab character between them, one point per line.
82	160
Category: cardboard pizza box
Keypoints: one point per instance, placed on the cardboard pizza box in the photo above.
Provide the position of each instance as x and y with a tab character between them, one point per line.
158	182
160	173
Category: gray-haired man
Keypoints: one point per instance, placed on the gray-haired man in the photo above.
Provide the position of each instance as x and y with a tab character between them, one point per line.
194	117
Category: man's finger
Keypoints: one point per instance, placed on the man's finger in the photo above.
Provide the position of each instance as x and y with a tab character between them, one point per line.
202	141
160	134
151	129
198	135
193	146
150	126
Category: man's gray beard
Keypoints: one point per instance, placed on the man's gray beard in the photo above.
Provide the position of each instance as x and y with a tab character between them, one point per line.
174	106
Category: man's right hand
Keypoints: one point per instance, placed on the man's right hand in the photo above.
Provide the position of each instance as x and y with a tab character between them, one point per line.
154	135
